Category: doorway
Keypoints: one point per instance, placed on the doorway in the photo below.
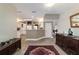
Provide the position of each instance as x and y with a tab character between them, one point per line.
48	29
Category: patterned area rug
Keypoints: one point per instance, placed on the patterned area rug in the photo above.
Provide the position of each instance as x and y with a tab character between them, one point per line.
41	50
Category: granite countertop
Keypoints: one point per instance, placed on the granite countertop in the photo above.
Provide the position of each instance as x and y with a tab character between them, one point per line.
73	36
11	41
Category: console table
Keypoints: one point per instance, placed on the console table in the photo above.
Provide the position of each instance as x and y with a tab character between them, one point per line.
10	47
70	44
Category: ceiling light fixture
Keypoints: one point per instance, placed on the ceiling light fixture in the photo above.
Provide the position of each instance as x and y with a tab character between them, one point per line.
18	20
49	4
33	11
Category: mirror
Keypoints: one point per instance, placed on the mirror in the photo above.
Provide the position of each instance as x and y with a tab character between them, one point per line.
74	20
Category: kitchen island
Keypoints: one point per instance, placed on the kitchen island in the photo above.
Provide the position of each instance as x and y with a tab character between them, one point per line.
34	34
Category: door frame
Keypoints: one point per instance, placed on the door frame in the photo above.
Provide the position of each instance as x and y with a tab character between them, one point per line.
51	25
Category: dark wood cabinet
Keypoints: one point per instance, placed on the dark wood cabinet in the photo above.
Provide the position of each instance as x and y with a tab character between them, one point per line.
59	40
68	43
11	47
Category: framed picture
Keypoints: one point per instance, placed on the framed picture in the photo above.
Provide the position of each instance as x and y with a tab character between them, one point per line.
74	20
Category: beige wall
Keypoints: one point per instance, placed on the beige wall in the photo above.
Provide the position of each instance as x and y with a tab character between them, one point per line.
51	16
7	22
64	22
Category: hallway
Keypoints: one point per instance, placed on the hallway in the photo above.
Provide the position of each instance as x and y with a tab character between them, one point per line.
46	41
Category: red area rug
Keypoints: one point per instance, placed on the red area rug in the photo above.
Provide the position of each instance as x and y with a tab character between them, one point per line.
41	50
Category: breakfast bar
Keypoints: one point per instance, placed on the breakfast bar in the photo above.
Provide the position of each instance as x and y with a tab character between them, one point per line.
34	34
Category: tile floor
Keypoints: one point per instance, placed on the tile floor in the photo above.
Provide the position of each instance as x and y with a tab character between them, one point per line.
44	41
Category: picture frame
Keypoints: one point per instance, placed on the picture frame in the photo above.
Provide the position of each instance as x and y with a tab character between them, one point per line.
74	20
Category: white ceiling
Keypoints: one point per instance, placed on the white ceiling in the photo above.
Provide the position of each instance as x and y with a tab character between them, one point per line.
24	10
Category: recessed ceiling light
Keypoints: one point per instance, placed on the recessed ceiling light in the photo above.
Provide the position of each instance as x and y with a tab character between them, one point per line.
33	11
49	4
18	20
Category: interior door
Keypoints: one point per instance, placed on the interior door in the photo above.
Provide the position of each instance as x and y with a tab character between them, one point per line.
48	29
